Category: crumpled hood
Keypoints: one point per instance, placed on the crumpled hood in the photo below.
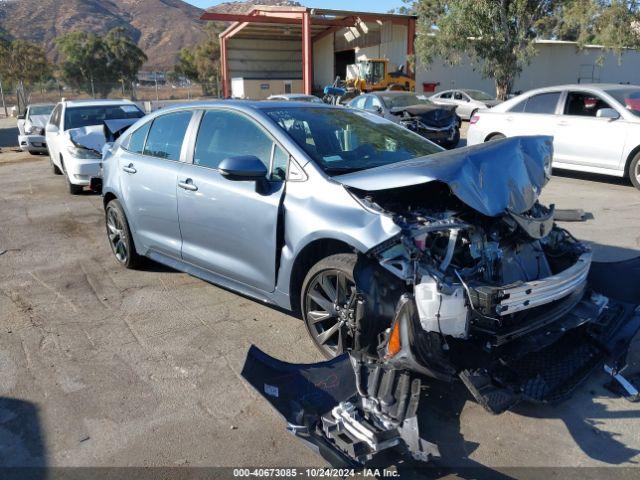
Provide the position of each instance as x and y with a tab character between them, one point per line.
491	177
91	137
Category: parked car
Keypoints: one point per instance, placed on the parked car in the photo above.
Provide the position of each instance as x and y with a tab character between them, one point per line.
595	128
295	97
75	135
438	123
31	128
468	101
420	262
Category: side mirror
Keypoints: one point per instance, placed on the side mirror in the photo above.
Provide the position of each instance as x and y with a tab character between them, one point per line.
51	128
610	113
22	117
379	110
244	167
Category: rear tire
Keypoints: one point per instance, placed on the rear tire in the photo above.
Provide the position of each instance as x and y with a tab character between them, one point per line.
634	171
119	236
328	303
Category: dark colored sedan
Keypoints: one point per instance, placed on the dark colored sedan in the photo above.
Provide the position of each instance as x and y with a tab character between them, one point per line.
438	123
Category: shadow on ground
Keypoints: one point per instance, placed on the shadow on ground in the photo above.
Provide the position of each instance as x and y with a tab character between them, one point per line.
592	177
8	137
22	441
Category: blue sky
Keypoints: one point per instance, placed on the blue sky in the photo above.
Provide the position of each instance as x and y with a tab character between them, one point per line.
378	6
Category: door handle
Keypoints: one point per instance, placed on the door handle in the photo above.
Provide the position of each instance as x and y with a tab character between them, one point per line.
188	185
129	168
563	123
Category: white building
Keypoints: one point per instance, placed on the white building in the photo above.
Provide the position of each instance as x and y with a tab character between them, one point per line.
284	49
557	62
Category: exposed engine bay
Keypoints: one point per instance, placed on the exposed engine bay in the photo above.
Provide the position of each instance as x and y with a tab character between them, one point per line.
482	288
438	123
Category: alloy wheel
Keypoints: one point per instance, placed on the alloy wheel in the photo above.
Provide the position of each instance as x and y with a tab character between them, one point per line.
115	231
330	310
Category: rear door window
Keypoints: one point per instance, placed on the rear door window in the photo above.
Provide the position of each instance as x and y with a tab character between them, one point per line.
167	134
543	103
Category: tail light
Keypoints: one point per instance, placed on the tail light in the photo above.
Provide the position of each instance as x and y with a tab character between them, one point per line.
474	119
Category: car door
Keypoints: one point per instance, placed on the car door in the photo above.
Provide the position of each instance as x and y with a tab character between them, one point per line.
584	139
150	163
230	227
464	103
52	134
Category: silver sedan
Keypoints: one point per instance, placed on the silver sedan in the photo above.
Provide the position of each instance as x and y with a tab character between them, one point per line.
468	101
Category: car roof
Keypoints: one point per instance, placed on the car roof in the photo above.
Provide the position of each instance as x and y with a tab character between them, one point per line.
252	104
392	93
41	105
96	103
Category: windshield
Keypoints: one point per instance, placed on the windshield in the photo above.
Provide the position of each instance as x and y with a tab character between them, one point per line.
403	100
478	95
41	110
628	97
342	141
77	117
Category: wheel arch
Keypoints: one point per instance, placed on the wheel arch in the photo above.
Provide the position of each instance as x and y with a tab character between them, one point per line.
629	159
492	134
308	256
107	198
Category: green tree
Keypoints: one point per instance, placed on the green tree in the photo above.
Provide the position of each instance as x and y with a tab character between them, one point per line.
614	24
85	61
201	64
125	57
498	34
24	64
94	63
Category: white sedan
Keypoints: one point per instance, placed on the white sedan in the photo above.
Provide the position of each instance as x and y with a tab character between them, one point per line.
76	134
595	128
468	101
31	128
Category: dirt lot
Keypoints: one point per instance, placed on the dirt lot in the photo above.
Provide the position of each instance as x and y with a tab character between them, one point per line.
102	366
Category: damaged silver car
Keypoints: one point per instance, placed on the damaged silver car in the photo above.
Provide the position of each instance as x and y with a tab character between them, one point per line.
406	262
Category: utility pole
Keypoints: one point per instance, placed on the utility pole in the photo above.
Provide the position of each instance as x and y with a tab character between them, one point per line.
155	76
4	104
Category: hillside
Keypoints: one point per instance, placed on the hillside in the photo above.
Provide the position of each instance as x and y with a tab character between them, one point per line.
161	27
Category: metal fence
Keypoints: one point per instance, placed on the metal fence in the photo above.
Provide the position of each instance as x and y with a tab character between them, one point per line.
156	94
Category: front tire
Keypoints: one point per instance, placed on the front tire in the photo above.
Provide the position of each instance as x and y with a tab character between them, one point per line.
495	136
634	171
54	167
328	303
119	235
454	142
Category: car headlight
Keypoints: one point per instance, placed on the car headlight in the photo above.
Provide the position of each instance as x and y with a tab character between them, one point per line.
84	153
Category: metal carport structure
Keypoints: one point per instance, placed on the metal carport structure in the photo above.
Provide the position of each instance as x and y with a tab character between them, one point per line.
307	24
